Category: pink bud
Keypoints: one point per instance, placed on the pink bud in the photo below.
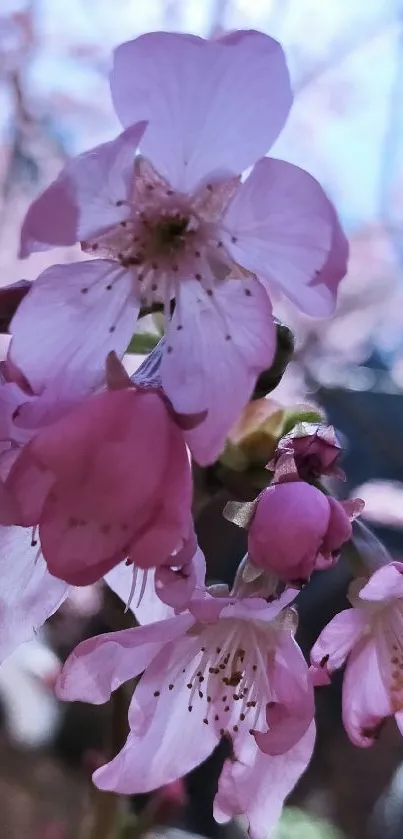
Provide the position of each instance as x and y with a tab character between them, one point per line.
295	529
313	449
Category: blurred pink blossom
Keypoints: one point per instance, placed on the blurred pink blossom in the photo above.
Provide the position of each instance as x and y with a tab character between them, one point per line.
369	637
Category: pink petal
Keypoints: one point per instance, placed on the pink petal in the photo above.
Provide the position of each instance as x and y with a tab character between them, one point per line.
103	179
226	114
123	485
170	523
202	369
67	302
287	529
335	267
28	484
9	509
339	530
149	608
167	741
282	224
293	710
338	638
176	586
386	584
29	595
258	792
83	199
257	608
78	553
366	702
51	220
101	664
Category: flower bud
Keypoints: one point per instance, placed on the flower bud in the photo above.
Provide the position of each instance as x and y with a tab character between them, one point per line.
296	529
253	438
312	448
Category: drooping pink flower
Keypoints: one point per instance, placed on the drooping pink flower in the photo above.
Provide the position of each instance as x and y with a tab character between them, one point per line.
310	449
296	529
178	223
229	668
30	594
369	636
109	481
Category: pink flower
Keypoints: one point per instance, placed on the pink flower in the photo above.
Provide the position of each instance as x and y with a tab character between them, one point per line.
369	636
178	222
229	668
310	449
296	529
109	481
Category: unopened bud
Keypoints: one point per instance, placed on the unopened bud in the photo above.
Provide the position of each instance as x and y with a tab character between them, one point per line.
253	438
312	449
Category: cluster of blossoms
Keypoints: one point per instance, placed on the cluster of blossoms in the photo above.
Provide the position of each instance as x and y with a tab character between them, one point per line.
96	467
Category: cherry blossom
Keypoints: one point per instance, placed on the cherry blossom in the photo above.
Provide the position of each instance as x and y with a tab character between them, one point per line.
229	667
369	638
178	223
109	480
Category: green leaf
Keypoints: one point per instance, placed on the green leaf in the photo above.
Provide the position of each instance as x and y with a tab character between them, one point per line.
142	343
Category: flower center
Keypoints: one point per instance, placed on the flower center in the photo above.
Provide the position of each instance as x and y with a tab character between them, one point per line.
226	677
165	235
169	232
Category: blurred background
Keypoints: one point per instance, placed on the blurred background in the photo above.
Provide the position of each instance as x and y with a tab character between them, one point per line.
346	128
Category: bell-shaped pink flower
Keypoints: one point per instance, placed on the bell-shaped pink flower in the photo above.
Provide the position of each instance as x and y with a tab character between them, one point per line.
370	637
109	481
229	667
311	449
295	529
177	222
